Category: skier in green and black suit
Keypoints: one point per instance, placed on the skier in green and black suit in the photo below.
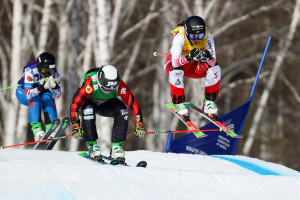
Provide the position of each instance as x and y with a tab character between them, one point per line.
98	95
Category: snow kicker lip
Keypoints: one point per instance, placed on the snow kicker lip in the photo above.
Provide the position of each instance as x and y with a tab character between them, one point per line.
251	166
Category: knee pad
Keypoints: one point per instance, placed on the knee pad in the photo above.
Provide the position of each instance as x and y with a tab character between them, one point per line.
176	78
88	114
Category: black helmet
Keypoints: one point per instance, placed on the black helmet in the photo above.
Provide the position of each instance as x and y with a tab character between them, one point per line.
46	63
194	24
108	78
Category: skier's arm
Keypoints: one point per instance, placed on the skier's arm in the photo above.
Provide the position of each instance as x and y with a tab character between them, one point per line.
130	102
176	50
80	97
56	92
210	46
30	91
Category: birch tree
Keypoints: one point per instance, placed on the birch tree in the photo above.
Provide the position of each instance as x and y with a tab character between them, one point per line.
278	63
160	117
104	124
12	105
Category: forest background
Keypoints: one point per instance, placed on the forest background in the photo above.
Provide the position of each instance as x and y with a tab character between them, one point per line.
125	33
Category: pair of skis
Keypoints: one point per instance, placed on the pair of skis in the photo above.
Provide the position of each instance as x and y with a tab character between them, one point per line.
112	161
62	124
192	126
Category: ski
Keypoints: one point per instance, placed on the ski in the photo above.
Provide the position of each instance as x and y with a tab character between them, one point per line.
187	122
101	162
122	162
217	123
64	125
54	125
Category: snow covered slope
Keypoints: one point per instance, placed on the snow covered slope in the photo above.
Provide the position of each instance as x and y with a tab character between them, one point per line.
28	174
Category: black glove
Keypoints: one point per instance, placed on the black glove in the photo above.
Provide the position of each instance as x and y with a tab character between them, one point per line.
77	132
41	85
194	55
205	56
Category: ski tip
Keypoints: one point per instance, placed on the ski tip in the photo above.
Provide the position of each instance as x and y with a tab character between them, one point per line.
83	154
142	164
155	53
115	162
1	147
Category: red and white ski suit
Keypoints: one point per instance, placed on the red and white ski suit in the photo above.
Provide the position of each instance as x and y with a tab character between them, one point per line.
177	67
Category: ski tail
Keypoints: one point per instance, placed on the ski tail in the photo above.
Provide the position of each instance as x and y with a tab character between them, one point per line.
55	123
188	123
64	125
86	155
217	123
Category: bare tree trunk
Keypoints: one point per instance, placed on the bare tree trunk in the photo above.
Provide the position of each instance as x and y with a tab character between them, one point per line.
12	108
161	118
104	124
278	63
91	37
71	84
114	24
27	40
43	37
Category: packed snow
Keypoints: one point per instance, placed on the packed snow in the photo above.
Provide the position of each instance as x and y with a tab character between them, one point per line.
29	174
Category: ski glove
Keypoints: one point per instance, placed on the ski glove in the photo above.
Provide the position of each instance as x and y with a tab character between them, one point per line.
77	132
140	130
51	83
41	85
194	55
205	56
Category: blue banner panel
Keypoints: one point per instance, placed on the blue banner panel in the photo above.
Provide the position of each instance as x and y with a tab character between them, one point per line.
216	143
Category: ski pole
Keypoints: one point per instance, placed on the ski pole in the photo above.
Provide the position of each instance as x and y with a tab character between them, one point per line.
161	54
16	86
55	138
183	131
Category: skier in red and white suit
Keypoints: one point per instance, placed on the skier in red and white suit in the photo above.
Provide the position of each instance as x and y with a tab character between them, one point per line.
193	55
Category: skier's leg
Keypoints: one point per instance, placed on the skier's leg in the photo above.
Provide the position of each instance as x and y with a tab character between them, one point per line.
49	106
20	94
116	109
89	121
34	116
212	84
176	81
90	135
50	112
177	87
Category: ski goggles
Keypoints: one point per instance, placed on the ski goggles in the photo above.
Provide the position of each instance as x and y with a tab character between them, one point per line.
47	71
196	36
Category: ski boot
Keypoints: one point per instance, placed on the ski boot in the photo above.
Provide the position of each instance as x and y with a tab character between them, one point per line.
94	151
37	130
182	111
117	152
210	108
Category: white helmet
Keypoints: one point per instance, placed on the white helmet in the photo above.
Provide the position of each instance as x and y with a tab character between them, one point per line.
108	78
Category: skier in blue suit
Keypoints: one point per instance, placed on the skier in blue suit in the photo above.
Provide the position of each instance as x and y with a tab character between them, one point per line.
40	87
